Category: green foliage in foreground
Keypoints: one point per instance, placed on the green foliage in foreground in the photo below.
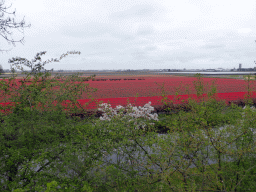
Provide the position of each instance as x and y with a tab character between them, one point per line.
41	149
58	144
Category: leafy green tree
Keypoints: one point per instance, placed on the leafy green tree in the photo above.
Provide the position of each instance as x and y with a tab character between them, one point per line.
45	136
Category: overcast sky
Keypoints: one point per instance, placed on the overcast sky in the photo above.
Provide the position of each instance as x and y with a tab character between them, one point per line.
136	34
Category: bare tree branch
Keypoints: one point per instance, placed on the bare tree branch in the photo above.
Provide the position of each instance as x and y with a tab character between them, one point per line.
7	23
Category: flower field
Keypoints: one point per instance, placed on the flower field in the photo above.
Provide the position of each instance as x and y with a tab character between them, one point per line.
117	90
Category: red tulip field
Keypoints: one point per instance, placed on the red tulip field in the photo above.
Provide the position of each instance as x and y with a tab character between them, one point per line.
117	90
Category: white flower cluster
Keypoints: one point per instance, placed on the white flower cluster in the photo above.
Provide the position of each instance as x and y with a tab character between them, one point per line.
132	112
135	112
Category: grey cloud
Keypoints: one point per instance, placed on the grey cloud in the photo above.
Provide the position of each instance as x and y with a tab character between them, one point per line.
138	55
103	44
124	36
209	56
212	46
135	11
94	54
214	59
100	36
145	30
86	29
192	57
142	53
128	37
97	30
150	48
184	57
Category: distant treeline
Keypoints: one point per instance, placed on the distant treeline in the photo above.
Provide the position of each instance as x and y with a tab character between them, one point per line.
114	79
97	79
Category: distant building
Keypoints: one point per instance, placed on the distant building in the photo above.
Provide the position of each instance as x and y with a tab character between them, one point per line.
245	69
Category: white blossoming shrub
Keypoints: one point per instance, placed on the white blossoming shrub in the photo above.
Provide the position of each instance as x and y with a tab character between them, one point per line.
133	113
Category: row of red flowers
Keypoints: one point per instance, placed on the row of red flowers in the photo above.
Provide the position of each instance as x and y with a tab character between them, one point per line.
156	100
152	87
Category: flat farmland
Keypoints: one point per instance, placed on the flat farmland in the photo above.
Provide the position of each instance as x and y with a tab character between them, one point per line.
115	85
147	86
